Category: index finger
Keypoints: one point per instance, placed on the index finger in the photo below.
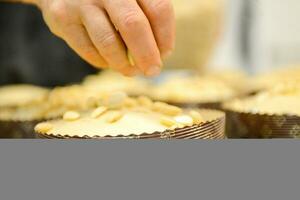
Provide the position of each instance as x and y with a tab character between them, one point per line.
137	34
162	19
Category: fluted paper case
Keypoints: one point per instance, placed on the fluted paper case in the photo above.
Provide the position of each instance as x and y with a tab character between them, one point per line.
261	125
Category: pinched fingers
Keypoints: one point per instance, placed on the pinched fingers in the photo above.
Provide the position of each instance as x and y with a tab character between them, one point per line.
137	34
162	19
106	39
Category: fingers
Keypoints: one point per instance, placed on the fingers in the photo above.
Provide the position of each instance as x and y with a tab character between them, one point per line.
162	19
137	34
106	39
77	38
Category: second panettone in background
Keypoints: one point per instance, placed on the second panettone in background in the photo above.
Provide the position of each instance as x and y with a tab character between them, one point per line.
21	107
192	91
270	114
288	74
238	80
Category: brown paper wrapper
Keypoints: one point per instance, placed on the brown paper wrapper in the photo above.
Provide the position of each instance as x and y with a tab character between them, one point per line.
250	125
17	129
216	105
214	128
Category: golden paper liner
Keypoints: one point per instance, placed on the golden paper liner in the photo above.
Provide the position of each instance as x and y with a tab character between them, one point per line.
18	129
214	128
216	105
261	125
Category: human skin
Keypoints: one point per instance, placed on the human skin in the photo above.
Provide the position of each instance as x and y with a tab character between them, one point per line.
102	32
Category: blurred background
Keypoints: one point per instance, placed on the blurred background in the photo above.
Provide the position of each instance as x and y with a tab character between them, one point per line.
251	35
259	35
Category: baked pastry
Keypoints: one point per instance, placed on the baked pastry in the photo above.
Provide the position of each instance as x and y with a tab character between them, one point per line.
289	74
109	81
19	95
284	99
120	116
192	90
71	97
237	79
21	106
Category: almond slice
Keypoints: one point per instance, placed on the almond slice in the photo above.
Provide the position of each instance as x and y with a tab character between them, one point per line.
114	116
71	116
98	112
184	120
130	102
167	122
116	100
145	101
43	127
197	117
166	109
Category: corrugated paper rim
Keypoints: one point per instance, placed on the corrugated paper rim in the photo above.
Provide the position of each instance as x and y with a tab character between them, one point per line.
213	129
23	129
212	105
261	125
18	129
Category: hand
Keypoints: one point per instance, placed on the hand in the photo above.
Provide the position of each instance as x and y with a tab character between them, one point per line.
100	31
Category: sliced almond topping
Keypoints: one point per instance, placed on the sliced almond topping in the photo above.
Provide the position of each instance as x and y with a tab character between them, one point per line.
130	102
184	120
92	102
115	100
43	127
197	117
145	101
98	112
166	109
114	116
177	126
130	58
167	122
71	116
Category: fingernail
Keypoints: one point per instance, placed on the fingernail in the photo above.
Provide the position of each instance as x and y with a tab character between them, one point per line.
153	71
